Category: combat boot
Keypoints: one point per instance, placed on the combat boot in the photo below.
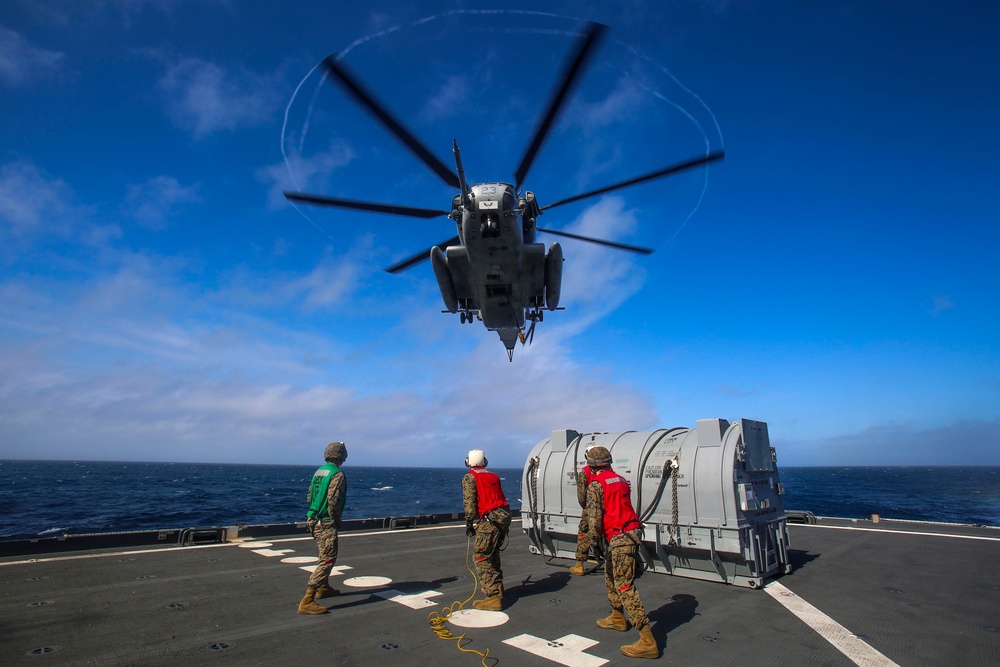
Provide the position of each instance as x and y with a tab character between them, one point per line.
616	621
325	590
492	603
578	568
644	648
307	606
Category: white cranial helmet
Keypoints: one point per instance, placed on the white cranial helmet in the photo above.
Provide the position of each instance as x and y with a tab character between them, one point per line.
476	458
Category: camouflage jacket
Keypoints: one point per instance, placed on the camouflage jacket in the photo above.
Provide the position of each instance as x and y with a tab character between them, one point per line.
470	501
595	509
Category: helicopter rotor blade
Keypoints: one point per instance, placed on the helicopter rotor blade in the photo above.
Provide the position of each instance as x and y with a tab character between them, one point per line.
420	256
374	207
660	173
610	244
353	85
570	75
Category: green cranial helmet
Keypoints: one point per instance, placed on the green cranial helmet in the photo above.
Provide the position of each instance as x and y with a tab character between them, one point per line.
598	456
336	452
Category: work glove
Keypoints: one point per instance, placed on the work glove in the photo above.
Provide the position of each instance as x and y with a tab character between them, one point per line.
469	529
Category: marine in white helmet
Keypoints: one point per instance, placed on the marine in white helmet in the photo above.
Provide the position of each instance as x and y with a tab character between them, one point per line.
484	501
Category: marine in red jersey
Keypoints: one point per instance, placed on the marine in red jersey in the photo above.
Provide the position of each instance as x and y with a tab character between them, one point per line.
612	516
583	541
484	501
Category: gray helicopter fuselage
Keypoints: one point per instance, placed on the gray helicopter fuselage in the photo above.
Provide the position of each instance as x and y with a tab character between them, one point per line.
498	270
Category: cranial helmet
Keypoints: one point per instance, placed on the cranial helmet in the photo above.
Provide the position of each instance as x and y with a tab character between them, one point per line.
598	456
336	452
476	459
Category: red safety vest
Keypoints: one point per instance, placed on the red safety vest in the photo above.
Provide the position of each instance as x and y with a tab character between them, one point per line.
619	515
489	495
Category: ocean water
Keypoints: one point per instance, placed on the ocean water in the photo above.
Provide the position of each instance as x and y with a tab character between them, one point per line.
56	497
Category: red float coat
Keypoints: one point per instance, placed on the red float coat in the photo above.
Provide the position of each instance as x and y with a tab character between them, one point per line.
489	495
619	515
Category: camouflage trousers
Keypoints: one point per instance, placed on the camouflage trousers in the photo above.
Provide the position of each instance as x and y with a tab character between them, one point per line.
490	533
619	574
325	534
583	540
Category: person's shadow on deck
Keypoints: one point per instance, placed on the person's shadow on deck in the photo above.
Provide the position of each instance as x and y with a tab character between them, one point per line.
680	610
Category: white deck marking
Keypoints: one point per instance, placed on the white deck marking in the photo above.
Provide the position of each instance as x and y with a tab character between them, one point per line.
271	553
568	650
295	560
478	618
367	582
335	571
253	545
348	534
411	600
843	639
903	532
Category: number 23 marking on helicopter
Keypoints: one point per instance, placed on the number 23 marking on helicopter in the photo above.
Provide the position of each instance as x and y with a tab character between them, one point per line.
493	270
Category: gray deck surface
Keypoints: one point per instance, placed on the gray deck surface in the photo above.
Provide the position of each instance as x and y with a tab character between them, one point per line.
917	599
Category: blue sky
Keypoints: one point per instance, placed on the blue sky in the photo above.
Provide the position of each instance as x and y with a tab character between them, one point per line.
836	276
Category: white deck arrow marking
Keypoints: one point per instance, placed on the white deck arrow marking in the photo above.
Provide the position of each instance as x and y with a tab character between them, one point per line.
568	650
843	639
271	553
335	571
411	600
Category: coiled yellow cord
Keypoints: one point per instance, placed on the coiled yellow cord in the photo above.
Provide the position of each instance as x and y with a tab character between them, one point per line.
438	620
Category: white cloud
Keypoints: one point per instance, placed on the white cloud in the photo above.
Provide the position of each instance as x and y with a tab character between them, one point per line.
941	303
154	202
135	364
20	62
597	279
450	100
33	203
327	284
618	105
27	197
963	442
36	208
304	174
204	98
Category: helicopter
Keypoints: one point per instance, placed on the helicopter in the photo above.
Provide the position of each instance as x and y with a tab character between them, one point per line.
493	270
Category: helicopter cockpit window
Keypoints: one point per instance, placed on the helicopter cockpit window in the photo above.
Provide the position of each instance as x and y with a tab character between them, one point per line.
509	203
490	227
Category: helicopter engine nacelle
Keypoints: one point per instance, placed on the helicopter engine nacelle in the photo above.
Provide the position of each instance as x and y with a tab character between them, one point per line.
443	274
553	276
